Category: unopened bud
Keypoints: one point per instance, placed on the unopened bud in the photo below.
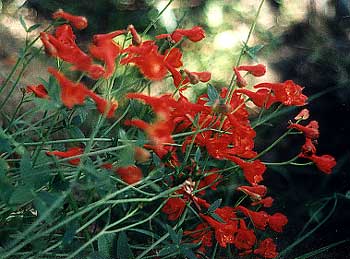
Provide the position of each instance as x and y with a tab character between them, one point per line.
221	107
136	38
141	155
193	78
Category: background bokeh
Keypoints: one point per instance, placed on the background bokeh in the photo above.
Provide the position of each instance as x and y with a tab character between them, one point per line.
306	41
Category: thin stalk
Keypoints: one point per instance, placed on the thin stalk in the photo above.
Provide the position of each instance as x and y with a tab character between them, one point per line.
232	86
272	145
157	18
61	141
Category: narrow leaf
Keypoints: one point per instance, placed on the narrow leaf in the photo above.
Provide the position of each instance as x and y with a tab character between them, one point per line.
33	27
216	204
105	244
23	23
123	249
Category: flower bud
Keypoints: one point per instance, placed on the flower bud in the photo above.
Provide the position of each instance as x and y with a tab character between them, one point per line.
141	155
136	38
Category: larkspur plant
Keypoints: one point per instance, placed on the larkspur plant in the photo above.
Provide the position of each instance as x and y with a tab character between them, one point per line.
150	179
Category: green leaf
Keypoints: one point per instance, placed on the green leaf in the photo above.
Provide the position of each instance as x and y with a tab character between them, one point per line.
122	134
174	237
105	244
21	195
212	93
216	217
252	51
126	156
75	132
198	155
216	204
46	104
188	253
5	183
33	178
156	160
96	255
123	249
39	244
23	23
69	235
43	201
33	27
80	117
4	145
26	164
168	250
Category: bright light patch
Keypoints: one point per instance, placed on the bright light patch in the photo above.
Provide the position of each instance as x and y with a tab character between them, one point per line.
226	40
214	15
168	18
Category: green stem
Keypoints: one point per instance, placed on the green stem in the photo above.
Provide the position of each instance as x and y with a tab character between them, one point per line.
72	140
15	113
272	145
282	163
231	86
155	20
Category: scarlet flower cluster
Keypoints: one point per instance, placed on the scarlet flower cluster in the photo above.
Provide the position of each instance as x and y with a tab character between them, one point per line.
218	125
324	163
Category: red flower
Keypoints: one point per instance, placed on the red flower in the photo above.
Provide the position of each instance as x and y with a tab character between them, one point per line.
98	38
201	234
74	151
308	148
159	134
136	38
71	93
130	174
105	49
324	163
63	46
152	66
173	57
256	70
79	22
108	166
39	91
148	60
194	34
287	92
213	180
241	82
141	155
104	107
196	77
266	249
256	192
310	131
245	238
252	171
151	63
162	105
224	232
302	115
277	221
259	219
263	97
266	202
174	207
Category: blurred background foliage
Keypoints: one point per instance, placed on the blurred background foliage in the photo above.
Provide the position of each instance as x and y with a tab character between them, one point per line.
307	41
